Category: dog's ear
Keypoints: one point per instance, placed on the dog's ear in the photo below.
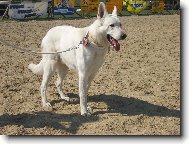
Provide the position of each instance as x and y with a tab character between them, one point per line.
114	13
101	10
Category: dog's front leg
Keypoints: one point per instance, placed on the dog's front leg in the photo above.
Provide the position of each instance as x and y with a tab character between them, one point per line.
83	80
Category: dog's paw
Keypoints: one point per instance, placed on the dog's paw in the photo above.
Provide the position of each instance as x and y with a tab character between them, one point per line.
47	107
66	98
48	104
86	115
89	109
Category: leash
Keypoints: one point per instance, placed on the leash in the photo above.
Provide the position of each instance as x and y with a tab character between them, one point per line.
84	41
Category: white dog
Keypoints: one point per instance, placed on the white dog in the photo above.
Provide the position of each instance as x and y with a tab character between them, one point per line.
85	60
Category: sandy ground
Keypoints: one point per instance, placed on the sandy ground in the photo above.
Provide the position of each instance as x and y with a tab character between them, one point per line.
136	92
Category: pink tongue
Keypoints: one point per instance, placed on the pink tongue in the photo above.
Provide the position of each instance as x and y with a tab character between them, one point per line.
115	44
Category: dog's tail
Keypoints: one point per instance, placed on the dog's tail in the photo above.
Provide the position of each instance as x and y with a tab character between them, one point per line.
36	69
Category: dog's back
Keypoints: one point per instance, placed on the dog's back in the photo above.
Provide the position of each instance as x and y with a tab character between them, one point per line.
58	37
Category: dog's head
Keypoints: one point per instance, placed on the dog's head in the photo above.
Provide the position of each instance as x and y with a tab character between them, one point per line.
110	26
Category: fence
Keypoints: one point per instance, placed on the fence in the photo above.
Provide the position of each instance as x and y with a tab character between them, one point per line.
83	8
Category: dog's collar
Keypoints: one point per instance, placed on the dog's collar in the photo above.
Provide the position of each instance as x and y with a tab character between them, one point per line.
88	39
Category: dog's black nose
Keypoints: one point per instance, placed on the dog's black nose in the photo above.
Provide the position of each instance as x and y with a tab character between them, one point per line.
123	36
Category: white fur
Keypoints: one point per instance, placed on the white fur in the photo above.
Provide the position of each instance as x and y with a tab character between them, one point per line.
86	60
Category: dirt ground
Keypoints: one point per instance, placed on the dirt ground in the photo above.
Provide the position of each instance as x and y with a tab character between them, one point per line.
136	92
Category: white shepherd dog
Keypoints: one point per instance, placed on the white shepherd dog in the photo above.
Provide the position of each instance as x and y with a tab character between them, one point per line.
85	60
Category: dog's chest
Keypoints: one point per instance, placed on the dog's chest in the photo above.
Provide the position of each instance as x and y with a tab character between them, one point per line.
95	59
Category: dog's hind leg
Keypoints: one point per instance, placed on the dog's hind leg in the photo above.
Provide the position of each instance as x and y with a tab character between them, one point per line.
49	68
62	70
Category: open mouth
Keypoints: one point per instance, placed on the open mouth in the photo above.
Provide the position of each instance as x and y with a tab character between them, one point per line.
115	44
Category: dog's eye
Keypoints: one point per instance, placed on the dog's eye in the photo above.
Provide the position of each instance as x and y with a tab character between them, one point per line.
120	25
112	25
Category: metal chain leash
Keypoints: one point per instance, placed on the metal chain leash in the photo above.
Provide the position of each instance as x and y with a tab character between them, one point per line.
23	50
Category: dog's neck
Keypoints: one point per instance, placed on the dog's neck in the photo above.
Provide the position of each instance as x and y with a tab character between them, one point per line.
92	39
97	37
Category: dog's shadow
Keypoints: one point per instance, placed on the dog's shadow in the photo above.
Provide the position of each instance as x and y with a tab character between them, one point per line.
116	104
132	106
68	123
